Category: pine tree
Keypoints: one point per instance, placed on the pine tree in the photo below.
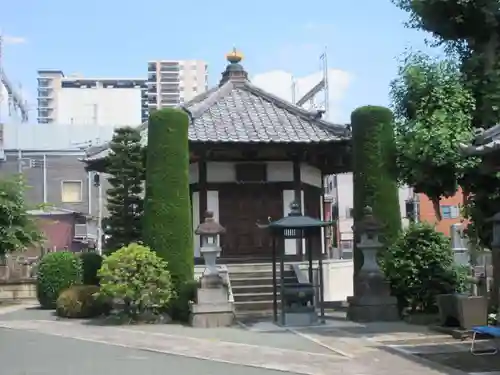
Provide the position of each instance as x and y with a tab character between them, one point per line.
125	165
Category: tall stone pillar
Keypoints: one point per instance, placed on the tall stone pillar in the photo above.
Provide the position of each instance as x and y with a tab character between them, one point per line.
372	300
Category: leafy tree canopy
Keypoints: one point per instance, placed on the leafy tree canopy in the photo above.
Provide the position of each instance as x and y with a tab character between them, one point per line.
451	20
433	113
18	229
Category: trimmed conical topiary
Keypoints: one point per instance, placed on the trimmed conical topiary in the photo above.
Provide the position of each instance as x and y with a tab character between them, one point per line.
167	225
374	177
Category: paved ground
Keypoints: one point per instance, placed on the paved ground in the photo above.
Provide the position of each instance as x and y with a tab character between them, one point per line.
29	353
33	342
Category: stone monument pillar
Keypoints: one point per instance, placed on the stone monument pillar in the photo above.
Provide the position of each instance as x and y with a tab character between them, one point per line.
372	301
212	307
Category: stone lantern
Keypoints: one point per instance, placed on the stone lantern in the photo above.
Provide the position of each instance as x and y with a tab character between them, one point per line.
368	231
213	307
372	300
209	232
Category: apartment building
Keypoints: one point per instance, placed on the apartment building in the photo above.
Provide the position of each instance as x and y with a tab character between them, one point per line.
173	82
450	211
81	100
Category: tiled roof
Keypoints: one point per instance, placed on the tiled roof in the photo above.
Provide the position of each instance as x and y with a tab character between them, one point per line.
486	141
239	112
481	149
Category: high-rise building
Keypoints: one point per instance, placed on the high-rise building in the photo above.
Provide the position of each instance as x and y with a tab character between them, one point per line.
79	100
173	82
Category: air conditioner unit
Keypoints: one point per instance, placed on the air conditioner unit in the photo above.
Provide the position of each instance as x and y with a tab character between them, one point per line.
81	231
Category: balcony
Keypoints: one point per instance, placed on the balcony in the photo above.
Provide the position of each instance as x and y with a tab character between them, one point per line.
45	93
44	82
151	67
44	103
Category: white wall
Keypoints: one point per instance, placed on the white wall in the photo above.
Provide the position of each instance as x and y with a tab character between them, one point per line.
344	193
337	279
103	106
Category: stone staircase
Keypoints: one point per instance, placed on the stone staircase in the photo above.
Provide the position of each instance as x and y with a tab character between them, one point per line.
252	287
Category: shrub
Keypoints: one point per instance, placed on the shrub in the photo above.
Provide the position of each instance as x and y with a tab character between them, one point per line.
81	301
179	306
419	266
57	271
374	177
137	280
91	263
167	226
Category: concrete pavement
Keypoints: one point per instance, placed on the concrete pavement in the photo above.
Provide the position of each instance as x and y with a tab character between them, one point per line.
344	348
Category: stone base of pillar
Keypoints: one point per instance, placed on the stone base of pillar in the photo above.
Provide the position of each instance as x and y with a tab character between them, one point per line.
213	308
373	309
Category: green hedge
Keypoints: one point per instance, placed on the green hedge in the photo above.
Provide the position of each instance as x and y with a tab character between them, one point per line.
374	177
167	225
57	272
91	263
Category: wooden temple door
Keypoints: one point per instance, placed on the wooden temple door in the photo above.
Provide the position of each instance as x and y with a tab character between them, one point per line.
241	207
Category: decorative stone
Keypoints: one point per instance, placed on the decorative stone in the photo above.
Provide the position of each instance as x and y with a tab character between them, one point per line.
372	300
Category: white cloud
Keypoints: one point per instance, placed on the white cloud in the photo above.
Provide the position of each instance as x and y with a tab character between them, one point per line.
279	83
8	39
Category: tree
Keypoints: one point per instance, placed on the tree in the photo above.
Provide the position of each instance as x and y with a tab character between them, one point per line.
433	113
373	171
470	32
125	164
18	229
138	279
469	29
419	266
167	216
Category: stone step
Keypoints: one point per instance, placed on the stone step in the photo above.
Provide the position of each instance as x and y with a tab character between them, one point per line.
259	281
258	274
254	314
253	305
249	267
252	289
249	297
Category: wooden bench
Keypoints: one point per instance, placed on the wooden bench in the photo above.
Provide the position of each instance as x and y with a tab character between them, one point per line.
491	331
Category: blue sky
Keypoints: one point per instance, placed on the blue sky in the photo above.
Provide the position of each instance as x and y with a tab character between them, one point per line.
117	38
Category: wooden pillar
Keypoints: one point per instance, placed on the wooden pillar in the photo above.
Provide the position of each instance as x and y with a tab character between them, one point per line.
202	185
297	188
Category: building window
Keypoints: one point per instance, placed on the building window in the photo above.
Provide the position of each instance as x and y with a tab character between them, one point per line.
450	212
71	191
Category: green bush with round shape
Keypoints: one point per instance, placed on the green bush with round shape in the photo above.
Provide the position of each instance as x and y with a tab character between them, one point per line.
138	280
419	266
82	301
91	263
374	172
167	225
57	271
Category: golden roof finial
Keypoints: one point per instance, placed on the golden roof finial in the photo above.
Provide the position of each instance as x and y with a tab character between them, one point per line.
234	56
